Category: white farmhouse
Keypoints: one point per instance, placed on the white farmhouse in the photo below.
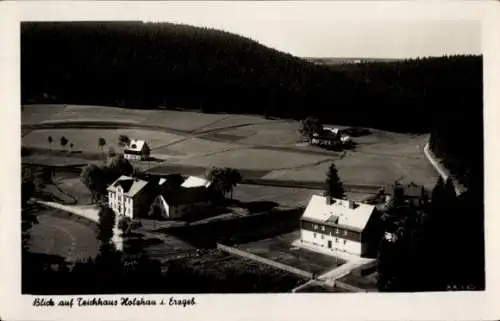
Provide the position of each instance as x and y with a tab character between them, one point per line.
137	150
341	225
130	196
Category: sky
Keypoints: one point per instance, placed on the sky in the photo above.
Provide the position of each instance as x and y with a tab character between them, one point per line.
313	33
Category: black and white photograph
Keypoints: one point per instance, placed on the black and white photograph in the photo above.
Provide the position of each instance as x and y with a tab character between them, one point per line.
250	154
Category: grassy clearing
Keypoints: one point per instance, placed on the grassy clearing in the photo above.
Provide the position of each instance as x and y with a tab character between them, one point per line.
254	159
372	165
275	133
280	250
64	237
74	187
75	113
35	114
230	120
380	157
292	197
219	272
85	140
180	120
194	147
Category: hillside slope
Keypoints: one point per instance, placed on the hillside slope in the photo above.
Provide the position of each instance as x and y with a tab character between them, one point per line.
139	65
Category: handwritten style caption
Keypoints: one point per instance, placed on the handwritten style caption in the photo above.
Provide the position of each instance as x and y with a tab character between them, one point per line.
123	301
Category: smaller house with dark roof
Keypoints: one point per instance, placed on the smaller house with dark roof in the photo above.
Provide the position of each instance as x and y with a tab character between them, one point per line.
181	203
130	196
137	150
411	194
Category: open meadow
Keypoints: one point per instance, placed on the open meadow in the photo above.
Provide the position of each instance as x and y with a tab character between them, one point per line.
186	138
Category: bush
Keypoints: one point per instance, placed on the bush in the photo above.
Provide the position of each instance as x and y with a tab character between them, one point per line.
124	224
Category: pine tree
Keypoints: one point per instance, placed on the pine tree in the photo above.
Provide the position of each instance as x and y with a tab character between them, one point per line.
334	186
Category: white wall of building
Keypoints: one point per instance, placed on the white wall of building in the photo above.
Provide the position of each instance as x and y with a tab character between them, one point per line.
121	204
337	243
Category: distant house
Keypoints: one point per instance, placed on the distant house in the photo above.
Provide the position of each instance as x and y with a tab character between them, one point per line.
325	138
130	196
185	202
330	136
341	225
137	150
411	193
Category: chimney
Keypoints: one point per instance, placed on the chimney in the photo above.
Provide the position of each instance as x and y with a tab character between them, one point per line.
329	200
351	204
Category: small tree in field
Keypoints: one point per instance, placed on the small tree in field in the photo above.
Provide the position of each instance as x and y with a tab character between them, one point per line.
310	126
63	141
233	178
334	186
224	179
123	140
50	140
126	225
216	176
101	142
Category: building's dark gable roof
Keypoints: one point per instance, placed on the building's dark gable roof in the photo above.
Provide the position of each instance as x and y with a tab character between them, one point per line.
406	190
125	184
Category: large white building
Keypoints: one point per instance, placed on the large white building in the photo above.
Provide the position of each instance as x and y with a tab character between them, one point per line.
341	225
130	196
136	150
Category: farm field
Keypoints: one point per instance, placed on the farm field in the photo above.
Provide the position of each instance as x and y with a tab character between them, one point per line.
244	142
284	196
279	249
376	164
86	140
256	159
57	234
220	272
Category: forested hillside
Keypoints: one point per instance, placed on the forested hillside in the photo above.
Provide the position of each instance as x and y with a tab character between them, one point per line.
138	65
147	65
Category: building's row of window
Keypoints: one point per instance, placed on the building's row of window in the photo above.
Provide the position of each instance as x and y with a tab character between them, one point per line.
336	239
337	231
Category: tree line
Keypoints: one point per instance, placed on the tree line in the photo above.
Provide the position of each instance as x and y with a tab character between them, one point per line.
141	65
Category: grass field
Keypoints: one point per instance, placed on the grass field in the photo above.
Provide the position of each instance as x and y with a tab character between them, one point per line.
56	234
220	272
256	159
290	197
243	142
86	140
